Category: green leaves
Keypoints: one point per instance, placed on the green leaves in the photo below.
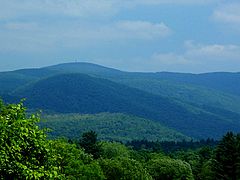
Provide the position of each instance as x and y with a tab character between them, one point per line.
124	168
24	150
169	169
75	163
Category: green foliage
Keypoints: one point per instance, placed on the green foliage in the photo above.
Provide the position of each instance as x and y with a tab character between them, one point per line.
207	172
75	163
111	150
169	169
124	169
24	151
170	146
200	161
109	127
89	143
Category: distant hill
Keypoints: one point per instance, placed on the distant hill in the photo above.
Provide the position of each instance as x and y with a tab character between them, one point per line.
223	81
78	93
219	90
86	68
112	127
198	105
188	93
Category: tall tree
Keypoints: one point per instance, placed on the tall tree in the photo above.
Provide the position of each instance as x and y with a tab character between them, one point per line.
89	143
226	166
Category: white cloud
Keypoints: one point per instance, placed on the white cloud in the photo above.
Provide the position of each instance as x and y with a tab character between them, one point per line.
228	14
199	58
214	52
11	9
140	29
18	36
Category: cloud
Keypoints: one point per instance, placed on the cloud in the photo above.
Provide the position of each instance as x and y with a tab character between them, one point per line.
72	8
228	14
139	30
199	58
19	36
213	52
12	9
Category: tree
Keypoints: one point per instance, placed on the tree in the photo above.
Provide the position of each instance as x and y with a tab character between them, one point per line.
110	150
24	151
169	169
227	158
89	143
75	163
124	169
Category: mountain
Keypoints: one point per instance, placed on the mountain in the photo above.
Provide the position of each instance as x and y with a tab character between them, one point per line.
86	68
198	105
79	93
112	127
188	93
11	80
219	90
223	81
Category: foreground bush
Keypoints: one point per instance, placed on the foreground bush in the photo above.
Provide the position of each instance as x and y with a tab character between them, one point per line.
24	151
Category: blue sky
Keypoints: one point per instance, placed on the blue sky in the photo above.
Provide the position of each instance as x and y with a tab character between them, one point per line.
132	35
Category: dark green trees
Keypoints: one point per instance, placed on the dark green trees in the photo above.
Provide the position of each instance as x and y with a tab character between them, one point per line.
227	158
89	143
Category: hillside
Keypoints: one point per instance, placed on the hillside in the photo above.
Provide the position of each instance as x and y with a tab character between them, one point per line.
112	127
218	90
197	105
78	93
187	93
86	68
223	81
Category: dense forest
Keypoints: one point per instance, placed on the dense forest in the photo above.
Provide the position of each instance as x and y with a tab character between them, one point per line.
194	105
27	153
108	126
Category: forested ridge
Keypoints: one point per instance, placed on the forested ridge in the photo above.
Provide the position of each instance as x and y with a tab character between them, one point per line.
102	123
26	153
195	105
109	126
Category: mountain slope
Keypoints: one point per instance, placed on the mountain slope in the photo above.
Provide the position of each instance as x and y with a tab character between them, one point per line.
86	68
187	93
77	93
223	81
218	90
185	102
12	80
116	127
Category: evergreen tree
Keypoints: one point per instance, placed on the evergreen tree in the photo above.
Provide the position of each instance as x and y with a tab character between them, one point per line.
226	166
89	143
